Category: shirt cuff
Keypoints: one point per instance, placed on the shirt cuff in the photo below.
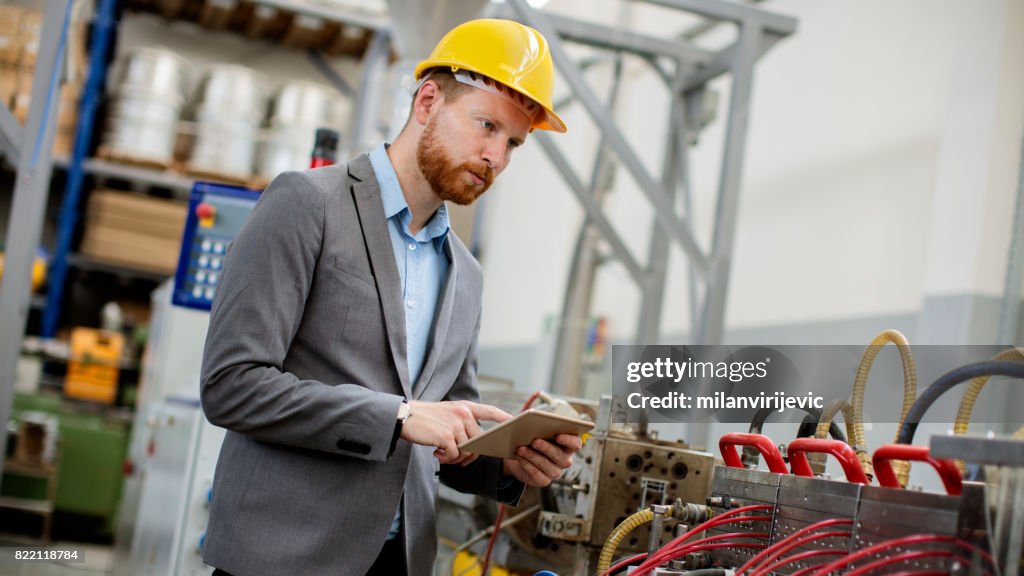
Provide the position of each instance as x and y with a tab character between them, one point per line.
509	489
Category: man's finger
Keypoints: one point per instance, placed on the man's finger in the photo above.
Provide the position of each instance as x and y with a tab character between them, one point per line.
489	413
450	452
570	441
540	461
561	457
536	475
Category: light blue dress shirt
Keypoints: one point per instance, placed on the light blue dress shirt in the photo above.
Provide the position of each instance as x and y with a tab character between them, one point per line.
422	265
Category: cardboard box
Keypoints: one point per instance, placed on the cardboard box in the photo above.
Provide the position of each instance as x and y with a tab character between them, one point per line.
133	230
8	84
22	96
94	364
30	29
10	47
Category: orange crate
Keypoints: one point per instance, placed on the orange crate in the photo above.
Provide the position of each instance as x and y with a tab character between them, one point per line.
93	367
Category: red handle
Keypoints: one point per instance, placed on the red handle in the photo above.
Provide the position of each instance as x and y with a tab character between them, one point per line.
727	445
841	450
947	469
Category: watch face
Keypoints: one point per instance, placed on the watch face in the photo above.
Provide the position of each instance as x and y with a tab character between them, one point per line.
404	411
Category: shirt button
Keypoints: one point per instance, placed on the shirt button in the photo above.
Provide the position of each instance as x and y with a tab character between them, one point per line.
412	246
410	302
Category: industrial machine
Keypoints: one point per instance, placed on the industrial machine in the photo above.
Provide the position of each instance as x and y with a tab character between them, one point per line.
173	448
634	504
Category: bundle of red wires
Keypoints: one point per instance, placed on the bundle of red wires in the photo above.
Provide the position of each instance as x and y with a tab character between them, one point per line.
775	556
680	547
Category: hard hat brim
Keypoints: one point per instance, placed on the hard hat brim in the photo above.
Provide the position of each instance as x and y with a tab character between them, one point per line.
546	121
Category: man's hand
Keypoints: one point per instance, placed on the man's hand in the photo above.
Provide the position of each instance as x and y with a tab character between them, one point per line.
542	461
445	425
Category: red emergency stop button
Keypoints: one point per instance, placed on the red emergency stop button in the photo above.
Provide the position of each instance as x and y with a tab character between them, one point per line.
206	212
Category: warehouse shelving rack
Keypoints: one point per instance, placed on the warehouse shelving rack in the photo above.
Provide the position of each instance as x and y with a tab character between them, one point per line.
29	149
685	69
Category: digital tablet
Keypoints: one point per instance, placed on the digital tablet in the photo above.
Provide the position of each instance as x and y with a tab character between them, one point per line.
502	440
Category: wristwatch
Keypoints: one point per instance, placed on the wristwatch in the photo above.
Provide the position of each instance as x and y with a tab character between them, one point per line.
404	412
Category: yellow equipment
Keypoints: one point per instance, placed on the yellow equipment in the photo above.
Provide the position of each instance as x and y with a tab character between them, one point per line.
506	51
38	271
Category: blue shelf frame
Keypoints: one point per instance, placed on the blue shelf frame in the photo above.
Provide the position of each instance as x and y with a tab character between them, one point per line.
103	31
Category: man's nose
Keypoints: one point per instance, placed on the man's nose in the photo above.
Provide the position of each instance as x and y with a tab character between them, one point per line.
494	153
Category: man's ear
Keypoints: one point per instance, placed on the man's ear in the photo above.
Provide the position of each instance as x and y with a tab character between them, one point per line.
428	97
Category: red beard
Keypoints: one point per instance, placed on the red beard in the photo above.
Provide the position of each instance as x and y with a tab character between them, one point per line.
448	180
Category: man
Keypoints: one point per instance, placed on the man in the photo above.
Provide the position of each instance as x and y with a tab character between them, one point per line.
342	349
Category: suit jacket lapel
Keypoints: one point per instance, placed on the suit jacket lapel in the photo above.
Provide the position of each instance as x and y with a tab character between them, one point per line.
441	321
366	193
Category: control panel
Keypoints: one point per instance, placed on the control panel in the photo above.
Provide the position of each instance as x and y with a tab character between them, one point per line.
216	213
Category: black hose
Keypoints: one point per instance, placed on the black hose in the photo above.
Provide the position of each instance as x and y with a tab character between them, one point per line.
947	381
761	416
810	426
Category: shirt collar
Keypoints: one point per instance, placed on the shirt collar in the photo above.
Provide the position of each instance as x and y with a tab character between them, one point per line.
394	200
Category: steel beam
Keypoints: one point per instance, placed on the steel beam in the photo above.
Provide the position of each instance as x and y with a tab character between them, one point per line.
590	206
367	106
579	287
11	136
31	190
663	211
617	39
733	12
721	62
748	50
652	303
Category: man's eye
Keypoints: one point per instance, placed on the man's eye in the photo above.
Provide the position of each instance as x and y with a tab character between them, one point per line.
512	144
487	124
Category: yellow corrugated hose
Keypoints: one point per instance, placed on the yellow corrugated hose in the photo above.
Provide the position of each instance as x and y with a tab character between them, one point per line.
963	415
829	414
634	521
902	468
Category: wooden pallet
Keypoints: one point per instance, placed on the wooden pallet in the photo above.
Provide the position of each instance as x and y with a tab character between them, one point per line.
207	174
125	158
264	22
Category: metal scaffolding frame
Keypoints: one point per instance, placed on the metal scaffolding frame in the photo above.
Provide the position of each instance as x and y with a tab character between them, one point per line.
31	149
692	68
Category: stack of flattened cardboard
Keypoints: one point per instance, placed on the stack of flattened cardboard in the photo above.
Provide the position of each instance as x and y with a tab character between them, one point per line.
20	31
132	230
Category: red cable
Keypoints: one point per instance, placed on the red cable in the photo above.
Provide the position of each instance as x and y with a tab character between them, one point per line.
906	540
493	538
644	568
666	552
621	564
730	514
717	537
669	549
809	528
501	507
797	557
899	558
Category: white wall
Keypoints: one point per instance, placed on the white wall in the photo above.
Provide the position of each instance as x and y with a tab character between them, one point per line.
881	169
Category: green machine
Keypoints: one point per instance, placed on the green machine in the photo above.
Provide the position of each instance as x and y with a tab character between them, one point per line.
92	446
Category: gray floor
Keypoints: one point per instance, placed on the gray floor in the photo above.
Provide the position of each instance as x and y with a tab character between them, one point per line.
98	560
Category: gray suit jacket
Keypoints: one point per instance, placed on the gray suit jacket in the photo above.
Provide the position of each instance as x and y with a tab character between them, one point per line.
305	365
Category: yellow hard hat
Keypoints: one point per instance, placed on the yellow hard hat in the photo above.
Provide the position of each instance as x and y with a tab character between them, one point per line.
507	52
